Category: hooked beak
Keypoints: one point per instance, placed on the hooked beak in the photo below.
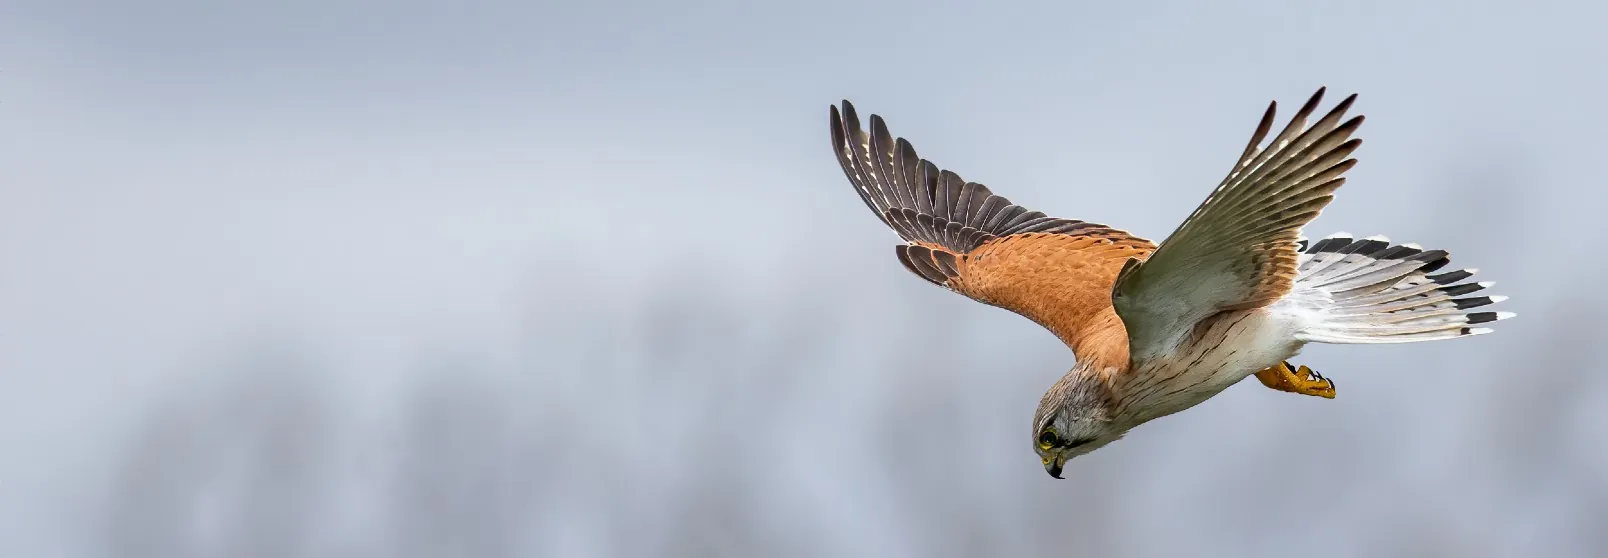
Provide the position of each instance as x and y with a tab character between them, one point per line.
1052	465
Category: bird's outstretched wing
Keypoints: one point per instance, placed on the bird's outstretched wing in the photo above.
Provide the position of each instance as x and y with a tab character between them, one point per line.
1239	249
1056	272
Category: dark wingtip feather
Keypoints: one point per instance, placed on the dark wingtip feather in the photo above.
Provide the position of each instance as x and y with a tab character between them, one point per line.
1312	103
838	134
1262	128
922	202
1345	105
849	115
877	122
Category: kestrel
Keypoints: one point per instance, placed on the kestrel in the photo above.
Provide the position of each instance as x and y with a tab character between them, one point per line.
1155	329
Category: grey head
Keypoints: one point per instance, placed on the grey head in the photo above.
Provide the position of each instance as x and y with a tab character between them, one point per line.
1074	417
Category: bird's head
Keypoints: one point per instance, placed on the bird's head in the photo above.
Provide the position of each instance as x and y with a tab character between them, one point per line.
1073	418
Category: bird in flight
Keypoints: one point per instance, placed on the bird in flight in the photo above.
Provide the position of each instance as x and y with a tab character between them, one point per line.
1235	291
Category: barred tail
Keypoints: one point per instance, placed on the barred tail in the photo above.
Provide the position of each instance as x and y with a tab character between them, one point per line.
1370	291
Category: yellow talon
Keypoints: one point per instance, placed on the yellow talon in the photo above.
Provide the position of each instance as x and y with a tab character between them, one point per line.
1304	380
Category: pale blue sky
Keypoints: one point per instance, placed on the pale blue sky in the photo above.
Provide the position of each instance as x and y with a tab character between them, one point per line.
392	279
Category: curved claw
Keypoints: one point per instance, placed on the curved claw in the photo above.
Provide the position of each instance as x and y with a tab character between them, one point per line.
1302	380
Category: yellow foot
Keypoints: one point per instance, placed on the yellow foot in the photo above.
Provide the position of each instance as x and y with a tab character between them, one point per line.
1305	381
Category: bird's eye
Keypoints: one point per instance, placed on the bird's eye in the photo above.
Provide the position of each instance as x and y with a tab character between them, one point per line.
1047	440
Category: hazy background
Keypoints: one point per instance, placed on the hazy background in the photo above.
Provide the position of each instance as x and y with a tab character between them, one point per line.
289	279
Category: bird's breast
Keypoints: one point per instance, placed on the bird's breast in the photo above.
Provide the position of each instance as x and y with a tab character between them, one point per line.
1223	351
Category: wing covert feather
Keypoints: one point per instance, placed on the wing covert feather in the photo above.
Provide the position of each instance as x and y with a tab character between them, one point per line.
960	235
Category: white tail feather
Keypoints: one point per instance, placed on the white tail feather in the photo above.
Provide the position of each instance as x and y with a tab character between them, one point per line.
1370	291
